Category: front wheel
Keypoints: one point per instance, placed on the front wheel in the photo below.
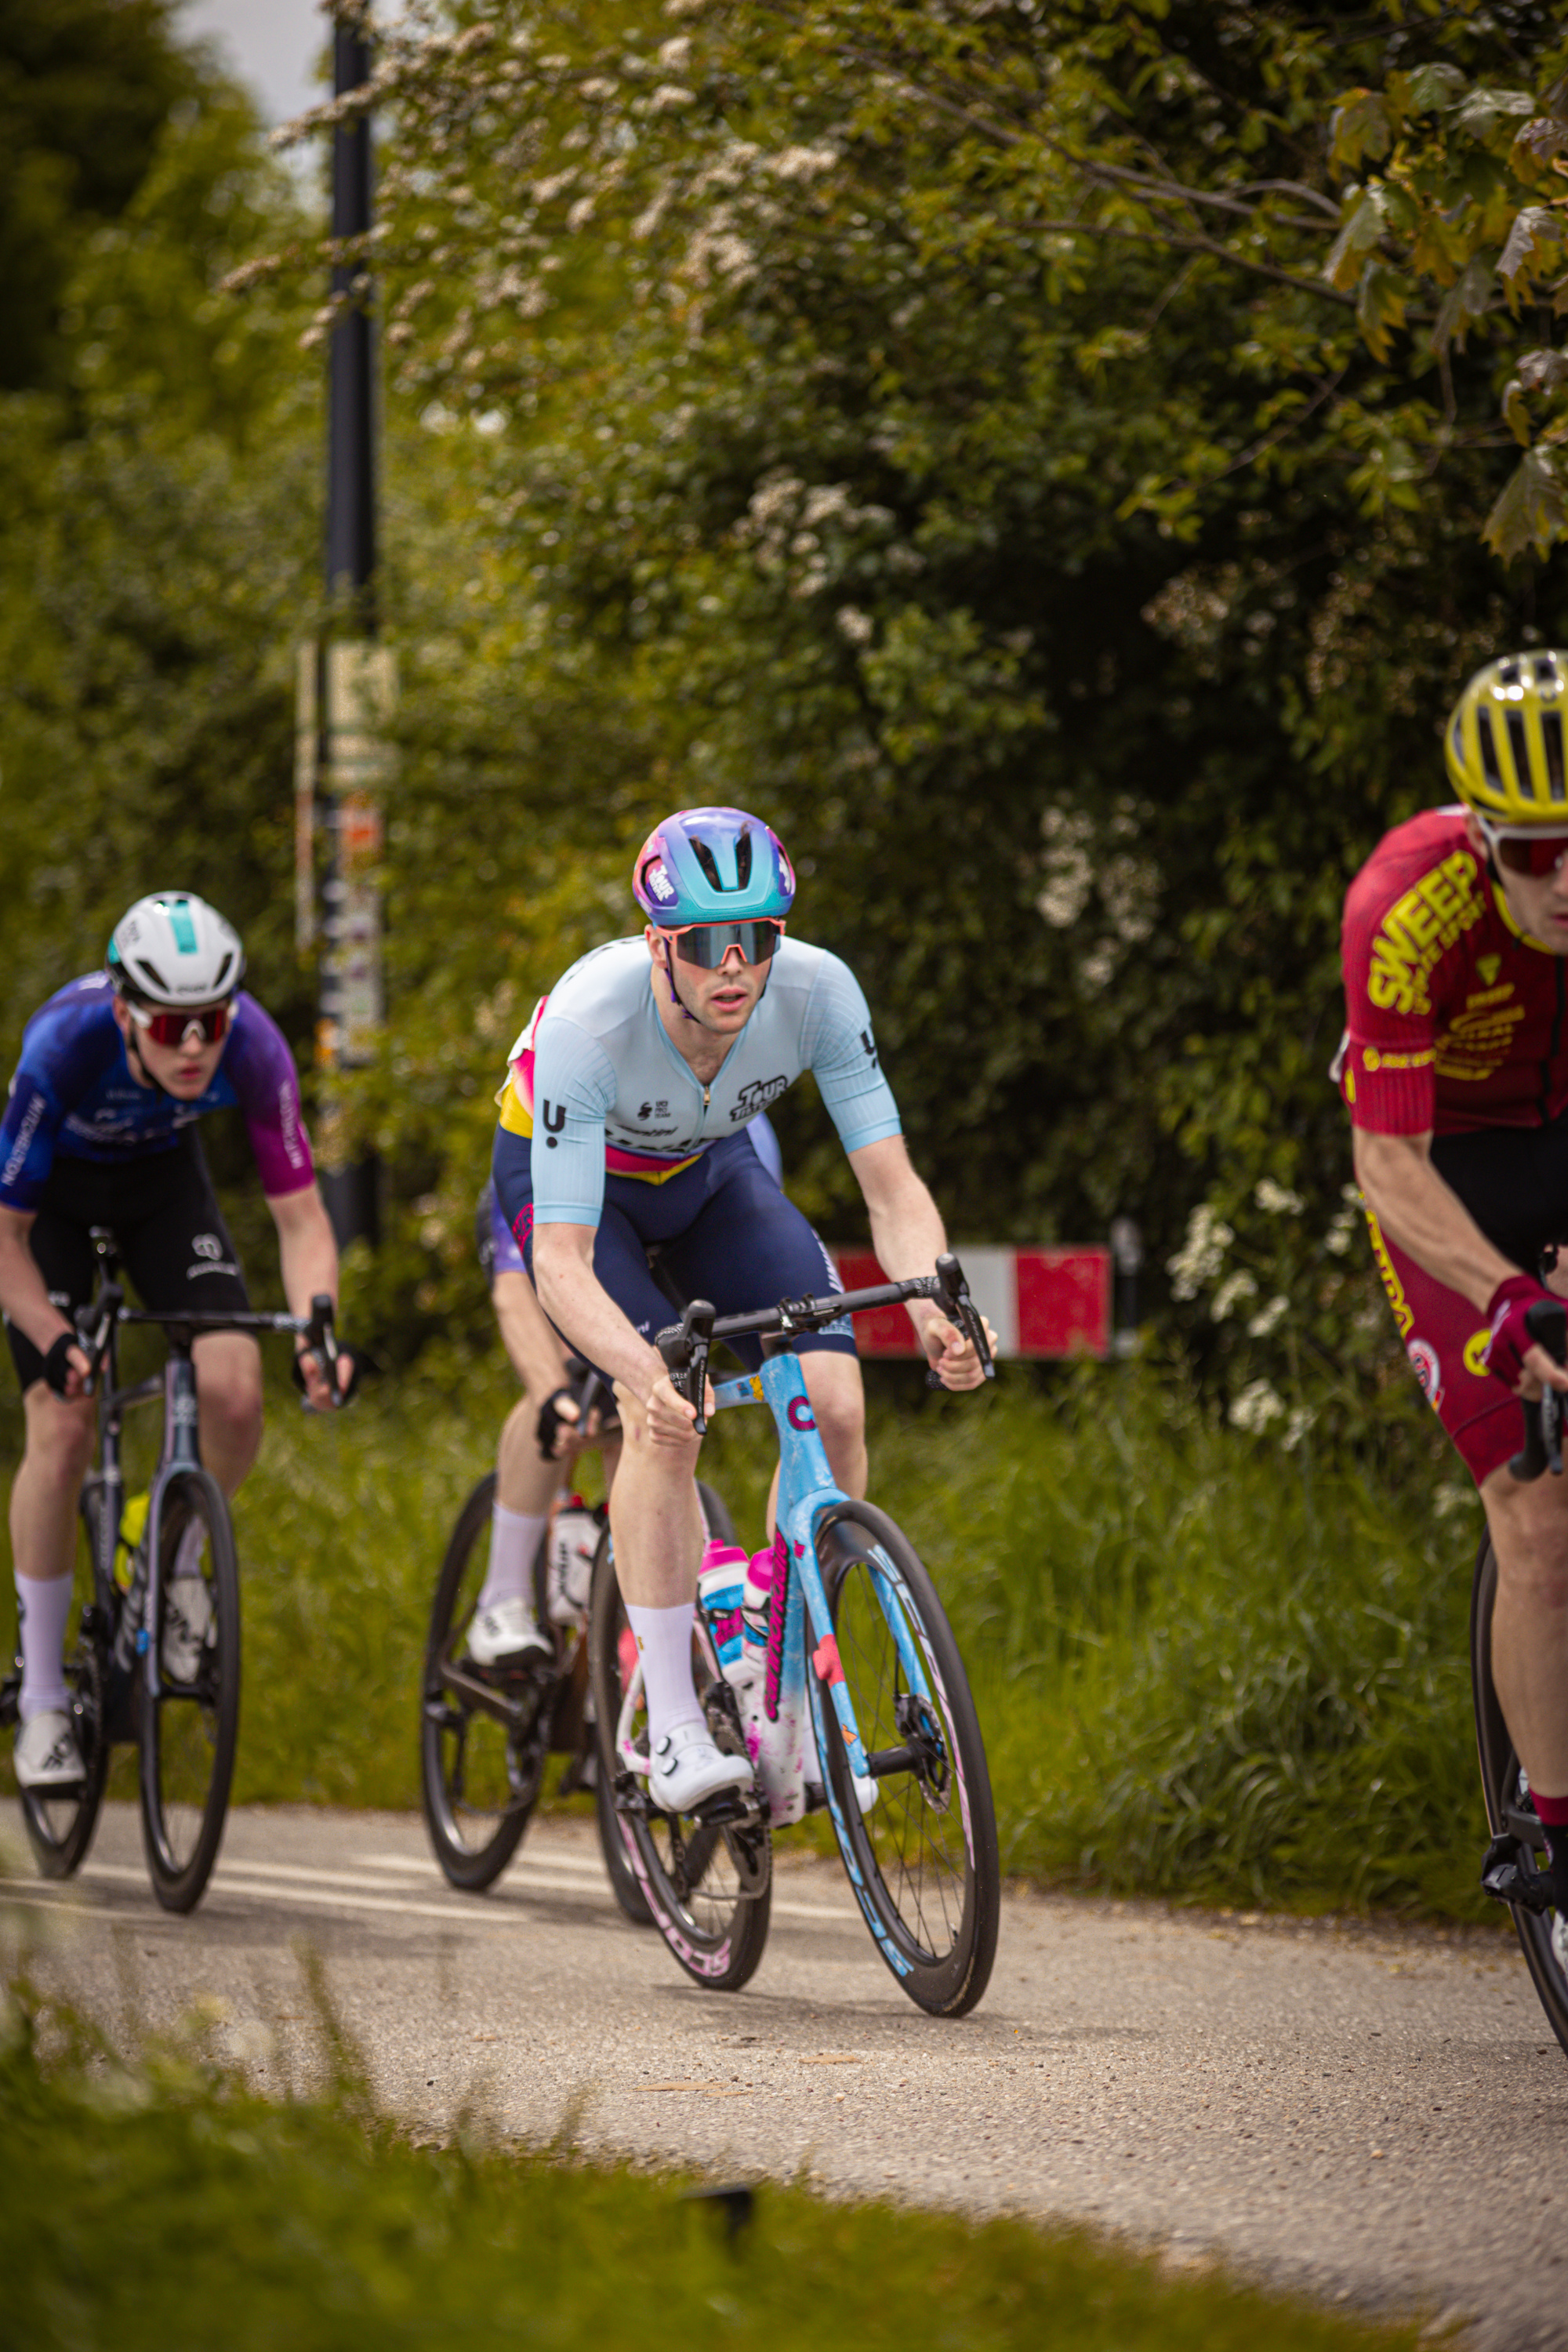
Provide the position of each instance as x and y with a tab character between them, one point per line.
1510	1809
190	1732
483	1737
918	1834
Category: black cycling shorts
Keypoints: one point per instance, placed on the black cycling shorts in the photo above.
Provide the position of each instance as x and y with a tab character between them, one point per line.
162	1212
1514	1182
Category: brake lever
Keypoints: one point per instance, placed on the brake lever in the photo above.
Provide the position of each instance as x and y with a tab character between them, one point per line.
685	1349
1547	1322
953	1293
320	1340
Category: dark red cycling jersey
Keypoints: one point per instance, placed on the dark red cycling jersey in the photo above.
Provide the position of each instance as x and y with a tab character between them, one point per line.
1456	1017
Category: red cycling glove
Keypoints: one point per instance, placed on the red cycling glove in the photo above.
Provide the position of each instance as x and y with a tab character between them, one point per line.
1511	1339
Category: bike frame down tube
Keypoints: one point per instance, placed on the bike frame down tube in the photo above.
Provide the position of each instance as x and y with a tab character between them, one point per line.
807	1492
181	1452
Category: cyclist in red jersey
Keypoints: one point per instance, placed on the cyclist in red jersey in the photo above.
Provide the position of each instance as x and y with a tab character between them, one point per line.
1455	1069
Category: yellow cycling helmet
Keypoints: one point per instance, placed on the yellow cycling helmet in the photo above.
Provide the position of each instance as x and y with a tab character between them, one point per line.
1504	741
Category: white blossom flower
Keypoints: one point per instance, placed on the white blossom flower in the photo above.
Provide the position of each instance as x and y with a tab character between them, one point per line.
1201	1253
857	627
1276	1201
1301	1419
1259	1404
1268	1318
1450	1497
670	94
674	54
801	163
1067	867
1235	1286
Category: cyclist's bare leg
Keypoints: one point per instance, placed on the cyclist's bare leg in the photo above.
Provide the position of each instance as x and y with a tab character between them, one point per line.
54	1459
1530	1627
655	1519
228	1390
837	1394
525	1483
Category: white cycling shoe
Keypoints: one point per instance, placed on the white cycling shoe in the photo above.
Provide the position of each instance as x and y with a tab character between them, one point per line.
685	1766
46	1757
507	1635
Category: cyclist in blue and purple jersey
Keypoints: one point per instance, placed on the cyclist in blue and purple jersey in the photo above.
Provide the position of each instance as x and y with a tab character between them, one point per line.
98	1129
623	1126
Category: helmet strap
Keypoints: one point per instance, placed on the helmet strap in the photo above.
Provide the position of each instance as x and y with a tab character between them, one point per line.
134	1053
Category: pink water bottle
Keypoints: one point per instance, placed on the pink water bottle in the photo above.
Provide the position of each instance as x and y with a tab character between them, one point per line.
761	1575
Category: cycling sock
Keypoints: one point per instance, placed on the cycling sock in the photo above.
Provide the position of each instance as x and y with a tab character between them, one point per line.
664	1640
42	1609
1552	1812
515	1538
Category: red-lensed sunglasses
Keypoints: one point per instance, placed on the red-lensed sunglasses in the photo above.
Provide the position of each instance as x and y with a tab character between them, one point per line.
707	944
210	1020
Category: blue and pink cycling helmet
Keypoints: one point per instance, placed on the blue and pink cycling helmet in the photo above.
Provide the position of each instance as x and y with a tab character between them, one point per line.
713	865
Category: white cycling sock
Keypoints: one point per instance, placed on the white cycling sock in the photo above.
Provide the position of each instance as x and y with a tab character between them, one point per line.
515	1538
664	1640
42	1608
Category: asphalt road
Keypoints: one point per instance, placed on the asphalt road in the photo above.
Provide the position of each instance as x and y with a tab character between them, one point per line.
1374	2116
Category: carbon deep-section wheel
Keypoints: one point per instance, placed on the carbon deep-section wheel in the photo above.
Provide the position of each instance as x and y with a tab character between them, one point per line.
1510	1808
189	1734
705	1886
919	1835
483	1734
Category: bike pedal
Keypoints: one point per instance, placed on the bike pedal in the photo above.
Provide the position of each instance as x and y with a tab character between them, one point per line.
1511	1876
730	1809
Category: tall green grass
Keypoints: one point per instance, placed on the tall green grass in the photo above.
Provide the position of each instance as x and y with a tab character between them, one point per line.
1205	1668
157	2203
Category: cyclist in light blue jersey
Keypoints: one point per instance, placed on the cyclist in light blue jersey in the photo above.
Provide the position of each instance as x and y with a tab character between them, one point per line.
624	1127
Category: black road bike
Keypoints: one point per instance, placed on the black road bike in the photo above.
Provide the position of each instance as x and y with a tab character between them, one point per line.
487	1732
1514	1869
186	1729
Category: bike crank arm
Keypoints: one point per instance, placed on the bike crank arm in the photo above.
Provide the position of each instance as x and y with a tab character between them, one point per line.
508	1712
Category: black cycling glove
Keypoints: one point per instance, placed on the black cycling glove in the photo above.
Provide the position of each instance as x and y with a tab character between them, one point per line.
56	1361
552	1421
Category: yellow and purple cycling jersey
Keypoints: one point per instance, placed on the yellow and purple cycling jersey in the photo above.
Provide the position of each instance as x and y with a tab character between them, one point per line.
73	1096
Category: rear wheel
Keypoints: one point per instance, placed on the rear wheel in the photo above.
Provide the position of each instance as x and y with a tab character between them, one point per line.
189	1733
1510	1809
483	1736
922	1854
60	1825
625	1885
706	1886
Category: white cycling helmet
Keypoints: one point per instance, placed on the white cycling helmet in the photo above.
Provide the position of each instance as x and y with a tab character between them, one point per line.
174	948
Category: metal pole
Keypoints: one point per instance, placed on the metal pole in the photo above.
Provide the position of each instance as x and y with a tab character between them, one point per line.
349	673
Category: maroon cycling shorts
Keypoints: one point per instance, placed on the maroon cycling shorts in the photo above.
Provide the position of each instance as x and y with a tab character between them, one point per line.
1444	1336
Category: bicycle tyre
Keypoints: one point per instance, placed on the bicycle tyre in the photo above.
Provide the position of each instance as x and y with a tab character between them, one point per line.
188	1738
1509	1807
717	1931
60	1829
453	1739
944	1962
625	1885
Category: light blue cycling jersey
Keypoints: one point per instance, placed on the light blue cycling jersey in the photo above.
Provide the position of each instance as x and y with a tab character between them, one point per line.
597	1085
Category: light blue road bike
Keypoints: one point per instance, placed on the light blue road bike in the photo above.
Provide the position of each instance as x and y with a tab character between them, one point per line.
862	1707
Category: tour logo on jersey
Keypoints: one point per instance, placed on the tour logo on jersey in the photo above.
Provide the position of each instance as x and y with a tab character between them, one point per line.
756	1095
1424	1364
1419	929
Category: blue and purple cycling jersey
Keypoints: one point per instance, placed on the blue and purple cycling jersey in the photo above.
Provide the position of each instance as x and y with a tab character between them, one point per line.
73	1094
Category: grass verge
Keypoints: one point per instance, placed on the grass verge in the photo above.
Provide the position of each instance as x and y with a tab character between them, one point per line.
163	2203
1207	1669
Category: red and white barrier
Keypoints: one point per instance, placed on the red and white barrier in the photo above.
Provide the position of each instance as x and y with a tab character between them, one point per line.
1039	1302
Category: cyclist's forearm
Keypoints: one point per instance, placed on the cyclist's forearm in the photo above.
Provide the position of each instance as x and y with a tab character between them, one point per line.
581	1307
24	1298
907	1230
1430	1222
307	1252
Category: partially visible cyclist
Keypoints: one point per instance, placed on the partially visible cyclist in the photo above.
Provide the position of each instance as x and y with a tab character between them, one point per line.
1455	1069
622	1128
539	1441
98	1129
